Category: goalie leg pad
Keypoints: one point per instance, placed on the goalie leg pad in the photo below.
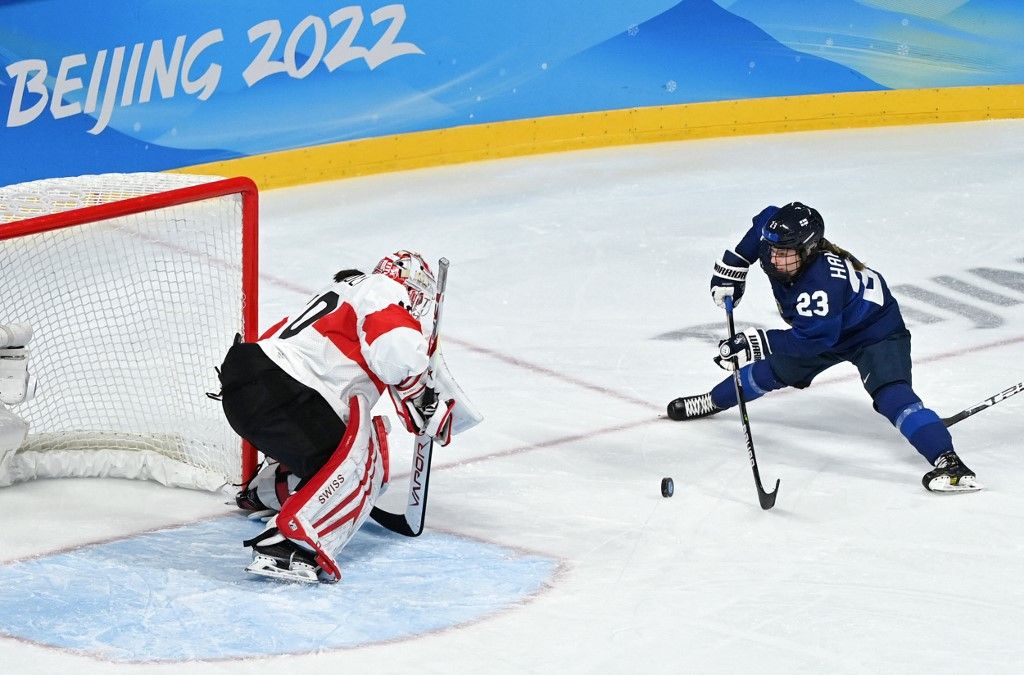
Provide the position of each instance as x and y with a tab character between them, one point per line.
381	427
16	384
328	510
13	430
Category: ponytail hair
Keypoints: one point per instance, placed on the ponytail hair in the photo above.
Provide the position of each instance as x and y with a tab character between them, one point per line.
829	247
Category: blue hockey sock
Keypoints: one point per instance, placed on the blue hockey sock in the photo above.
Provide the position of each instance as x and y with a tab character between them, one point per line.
757	379
920	425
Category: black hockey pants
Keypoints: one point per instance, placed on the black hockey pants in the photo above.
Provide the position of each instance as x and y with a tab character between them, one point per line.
283	418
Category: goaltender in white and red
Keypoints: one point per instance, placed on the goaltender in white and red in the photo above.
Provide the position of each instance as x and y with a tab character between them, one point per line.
302	395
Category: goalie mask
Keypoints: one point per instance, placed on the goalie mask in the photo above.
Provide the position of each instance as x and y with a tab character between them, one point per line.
790	241
413	272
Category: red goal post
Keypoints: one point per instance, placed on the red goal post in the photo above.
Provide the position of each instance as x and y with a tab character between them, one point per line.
135	285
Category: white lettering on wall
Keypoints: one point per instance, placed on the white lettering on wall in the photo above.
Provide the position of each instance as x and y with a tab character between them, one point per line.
128	93
386	47
65	85
110	93
268	61
94	82
204	85
35	85
165	71
125	75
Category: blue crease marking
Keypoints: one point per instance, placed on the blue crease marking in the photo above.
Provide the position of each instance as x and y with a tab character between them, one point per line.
180	594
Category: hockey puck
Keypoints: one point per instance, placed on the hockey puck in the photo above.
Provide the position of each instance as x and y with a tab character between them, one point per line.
667	487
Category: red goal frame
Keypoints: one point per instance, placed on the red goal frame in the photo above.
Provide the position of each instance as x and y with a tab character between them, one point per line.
243	186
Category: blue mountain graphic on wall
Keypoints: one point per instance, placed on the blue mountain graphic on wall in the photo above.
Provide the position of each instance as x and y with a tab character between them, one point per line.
696	51
978	43
64	146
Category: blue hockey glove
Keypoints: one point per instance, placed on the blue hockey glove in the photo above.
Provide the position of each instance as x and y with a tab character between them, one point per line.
729	279
746	347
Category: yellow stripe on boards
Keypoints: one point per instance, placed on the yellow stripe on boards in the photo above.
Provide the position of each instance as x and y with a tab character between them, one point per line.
621	127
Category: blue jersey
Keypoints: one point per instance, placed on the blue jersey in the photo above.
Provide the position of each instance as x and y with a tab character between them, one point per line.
830	306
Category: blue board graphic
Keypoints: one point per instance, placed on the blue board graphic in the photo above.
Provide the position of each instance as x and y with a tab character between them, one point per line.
126	86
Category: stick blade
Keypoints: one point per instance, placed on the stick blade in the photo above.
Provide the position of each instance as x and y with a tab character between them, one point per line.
767	499
396	522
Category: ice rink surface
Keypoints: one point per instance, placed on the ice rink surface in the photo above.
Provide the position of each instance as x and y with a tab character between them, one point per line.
577	307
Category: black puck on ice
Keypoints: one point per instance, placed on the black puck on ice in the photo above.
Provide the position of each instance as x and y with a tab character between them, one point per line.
667	487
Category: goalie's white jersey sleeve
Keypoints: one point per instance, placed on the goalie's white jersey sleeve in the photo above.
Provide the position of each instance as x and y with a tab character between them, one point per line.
353	337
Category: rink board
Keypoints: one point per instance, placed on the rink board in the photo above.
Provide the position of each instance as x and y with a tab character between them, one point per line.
180	594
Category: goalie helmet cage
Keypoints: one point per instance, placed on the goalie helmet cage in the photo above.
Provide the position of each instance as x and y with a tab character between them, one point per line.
135	285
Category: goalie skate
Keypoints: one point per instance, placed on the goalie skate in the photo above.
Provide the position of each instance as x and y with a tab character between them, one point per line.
950	475
278	558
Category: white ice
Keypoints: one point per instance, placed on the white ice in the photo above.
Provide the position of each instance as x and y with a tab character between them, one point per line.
565	271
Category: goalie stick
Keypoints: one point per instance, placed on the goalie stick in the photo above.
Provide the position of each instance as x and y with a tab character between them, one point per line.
410	523
987	403
767	499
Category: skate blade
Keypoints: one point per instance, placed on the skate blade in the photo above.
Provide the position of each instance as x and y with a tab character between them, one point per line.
941	484
272	571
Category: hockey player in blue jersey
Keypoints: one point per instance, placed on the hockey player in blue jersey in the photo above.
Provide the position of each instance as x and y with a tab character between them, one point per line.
838	310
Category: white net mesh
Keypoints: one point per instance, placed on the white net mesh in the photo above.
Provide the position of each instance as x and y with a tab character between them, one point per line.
130	317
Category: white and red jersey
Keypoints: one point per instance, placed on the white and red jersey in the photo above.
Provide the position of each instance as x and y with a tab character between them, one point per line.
354	337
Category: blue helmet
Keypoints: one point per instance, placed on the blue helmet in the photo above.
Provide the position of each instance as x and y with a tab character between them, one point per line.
795	227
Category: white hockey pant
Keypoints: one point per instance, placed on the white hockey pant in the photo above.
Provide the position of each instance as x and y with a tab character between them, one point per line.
333	505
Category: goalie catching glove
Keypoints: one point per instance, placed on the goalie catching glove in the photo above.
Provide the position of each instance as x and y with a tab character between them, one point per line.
434	404
743	348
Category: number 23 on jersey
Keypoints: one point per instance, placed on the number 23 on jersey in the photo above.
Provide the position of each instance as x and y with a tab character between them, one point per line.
816	303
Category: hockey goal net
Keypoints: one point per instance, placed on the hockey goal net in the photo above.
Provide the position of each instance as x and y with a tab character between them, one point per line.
135	285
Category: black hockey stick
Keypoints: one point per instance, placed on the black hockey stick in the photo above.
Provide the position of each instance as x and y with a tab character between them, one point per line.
410	523
987	403
767	499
